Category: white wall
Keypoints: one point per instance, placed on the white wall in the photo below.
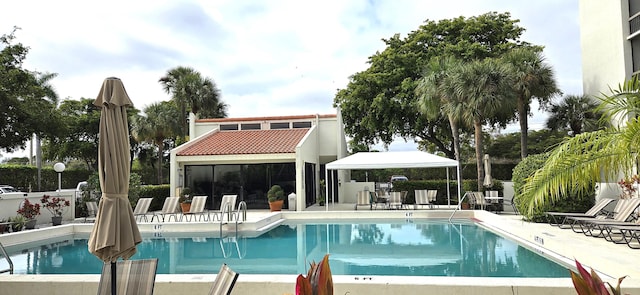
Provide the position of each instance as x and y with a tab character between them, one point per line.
10	204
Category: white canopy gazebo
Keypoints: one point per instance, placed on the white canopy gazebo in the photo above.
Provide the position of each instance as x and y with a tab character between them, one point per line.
384	160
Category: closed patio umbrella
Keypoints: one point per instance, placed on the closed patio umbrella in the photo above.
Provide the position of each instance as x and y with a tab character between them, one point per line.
488	181
115	233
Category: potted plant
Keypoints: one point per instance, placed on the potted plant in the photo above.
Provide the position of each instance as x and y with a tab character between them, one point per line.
18	222
185	199
56	206
4	225
275	195
321	197
29	211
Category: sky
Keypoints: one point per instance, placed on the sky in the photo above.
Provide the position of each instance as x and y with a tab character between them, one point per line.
268	58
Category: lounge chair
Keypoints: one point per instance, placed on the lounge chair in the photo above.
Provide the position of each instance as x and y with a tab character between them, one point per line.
224	282
132	277
142	209
363	198
559	219
169	208
595	226
228	201
624	234
197	208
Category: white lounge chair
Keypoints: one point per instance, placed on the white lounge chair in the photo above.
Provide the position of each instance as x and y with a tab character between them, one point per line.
170	208
228	201
197	208
224	282
142	209
363	198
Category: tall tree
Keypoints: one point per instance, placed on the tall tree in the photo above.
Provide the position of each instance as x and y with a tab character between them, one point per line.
380	102
24	109
437	99
484	87
159	123
586	158
192	92
533	78
577	113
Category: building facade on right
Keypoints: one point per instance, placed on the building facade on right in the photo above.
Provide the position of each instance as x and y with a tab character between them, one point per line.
610	43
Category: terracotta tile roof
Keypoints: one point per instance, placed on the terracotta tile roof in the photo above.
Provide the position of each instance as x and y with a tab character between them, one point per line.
246	142
272	118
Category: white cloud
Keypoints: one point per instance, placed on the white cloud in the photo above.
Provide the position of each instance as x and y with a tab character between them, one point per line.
267	57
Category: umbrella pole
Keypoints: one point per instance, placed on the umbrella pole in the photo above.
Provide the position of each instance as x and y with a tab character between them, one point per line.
113	278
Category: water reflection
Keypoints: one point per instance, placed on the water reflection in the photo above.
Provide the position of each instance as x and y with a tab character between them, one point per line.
407	249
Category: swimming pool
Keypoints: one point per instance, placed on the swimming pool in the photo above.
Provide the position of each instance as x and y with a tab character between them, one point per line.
391	248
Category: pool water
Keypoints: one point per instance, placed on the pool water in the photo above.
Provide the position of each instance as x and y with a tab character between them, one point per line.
430	248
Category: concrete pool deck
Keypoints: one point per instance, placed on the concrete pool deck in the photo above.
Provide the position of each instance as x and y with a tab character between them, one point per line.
611	260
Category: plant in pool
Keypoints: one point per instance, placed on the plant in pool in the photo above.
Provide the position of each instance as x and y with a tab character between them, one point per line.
590	283
55	205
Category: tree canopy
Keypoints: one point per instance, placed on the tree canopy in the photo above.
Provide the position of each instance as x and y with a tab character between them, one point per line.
380	103
24	107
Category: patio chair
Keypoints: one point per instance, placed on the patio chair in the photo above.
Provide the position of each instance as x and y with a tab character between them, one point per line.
197	208
395	200
421	198
132	277
481	201
92	209
595	227
142	209
378	198
559	218
227	200
224	282
363	198
169	208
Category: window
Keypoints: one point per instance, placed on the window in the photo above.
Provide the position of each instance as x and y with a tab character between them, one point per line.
302	124
252	126
279	125
229	127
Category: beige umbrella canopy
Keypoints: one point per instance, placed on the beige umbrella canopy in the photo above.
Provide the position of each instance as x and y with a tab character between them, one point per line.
488	181
115	233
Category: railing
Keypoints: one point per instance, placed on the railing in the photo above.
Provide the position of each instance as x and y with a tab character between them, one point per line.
6	256
241	212
457	207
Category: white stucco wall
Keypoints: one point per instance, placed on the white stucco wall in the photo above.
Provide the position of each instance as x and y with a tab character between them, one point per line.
606	53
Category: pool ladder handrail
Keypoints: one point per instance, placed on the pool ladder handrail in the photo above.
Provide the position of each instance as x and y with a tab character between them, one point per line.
457	207
242	208
6	256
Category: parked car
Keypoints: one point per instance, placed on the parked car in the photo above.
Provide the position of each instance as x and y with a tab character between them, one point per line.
395	178
7	190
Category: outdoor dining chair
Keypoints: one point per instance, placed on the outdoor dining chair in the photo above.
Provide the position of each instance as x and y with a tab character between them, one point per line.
224	282
133	277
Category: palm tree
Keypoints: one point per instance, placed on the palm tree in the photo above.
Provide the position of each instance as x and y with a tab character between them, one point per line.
485	84
577	113
438	100
533	78
585	158
51	96
159	124
193	92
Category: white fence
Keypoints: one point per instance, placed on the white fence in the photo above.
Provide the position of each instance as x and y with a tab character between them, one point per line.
9	205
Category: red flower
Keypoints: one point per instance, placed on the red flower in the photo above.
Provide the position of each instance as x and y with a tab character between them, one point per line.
28	210
55	205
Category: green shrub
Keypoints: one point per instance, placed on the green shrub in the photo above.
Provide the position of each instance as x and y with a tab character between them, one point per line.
572	202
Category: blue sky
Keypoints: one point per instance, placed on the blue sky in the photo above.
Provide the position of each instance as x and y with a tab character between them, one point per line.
267	57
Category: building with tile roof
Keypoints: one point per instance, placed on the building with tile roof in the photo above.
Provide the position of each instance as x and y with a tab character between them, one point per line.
246	156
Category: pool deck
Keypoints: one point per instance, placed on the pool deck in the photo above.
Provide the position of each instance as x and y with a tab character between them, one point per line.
609	259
